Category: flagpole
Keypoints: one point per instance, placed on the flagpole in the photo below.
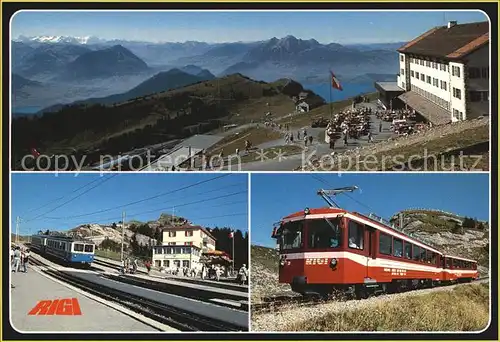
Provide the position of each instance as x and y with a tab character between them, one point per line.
330	88
233	250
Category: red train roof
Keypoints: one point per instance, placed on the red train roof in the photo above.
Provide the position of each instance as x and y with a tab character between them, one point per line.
317	211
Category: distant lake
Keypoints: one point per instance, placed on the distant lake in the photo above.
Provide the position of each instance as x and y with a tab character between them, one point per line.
349	90
26	110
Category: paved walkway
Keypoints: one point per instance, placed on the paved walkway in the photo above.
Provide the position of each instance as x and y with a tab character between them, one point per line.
318	147
33	287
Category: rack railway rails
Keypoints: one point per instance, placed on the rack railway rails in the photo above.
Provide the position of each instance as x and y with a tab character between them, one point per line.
223	283
182	314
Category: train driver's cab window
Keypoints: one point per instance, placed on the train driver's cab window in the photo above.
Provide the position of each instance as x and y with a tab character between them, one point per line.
324	233
398	248
433	258
385	244
89	248
291	235
78	247
356	233
408	250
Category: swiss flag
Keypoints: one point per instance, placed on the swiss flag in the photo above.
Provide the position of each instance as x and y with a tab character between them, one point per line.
35	153
335	82
231	235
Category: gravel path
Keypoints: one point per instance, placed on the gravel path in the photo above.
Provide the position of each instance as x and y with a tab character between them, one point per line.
295	312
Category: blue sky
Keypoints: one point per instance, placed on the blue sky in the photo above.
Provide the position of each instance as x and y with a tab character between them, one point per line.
342	27
32	191
276	195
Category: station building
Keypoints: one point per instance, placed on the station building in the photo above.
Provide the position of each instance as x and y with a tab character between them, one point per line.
182	246
444	74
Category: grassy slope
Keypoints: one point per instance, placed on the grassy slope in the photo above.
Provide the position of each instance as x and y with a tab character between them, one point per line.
465	308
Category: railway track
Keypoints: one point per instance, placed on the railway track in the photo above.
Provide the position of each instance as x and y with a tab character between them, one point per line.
222	284
273	303
174	317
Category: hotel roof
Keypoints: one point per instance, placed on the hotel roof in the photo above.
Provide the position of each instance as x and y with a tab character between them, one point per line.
451	43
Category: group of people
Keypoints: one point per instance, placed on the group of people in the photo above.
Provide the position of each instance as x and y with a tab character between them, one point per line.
19	259
308	139
350	123
129	266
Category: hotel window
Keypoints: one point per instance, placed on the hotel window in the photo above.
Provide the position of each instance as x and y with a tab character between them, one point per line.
474	73
455	71
422	62
455	113
445	85
412	73
403	72
429	79
422	77
403	85
171	234
434	65
457	93
417	74
435	82
402	58
427	63
484	72
188	233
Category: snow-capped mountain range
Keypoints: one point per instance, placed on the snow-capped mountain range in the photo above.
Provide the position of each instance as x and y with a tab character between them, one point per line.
60	39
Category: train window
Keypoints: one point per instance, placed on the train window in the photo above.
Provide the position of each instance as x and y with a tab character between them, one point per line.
78	247
433	258
89	248
428	257
416	253
291	236
324	233
356	233
398	248
385	244
422	255
408	250
441	261
449	263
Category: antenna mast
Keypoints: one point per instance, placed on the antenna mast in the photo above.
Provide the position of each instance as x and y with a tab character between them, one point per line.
328	195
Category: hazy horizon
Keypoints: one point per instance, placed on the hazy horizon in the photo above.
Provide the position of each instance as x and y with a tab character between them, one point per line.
344	27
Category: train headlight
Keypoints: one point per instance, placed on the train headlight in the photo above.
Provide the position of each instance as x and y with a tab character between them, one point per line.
283	261
333	263
306	211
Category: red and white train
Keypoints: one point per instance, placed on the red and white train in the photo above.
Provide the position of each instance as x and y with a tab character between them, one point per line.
328	249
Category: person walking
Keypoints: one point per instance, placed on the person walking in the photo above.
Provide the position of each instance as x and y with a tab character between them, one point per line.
243	274
122	266
148	266
310	140
16	260
305	140
26	259
380	126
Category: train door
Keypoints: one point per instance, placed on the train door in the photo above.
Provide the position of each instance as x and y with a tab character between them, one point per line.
372	253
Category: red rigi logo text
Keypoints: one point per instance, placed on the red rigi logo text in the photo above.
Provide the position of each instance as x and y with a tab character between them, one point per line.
57	307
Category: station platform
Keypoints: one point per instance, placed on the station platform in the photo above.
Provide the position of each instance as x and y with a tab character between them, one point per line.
81	315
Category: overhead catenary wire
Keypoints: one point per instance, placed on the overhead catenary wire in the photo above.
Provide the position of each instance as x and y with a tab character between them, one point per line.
148	198
122	206
318	178
183	205
60	198
73	198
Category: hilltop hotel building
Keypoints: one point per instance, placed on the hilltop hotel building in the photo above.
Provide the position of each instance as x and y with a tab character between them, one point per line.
182	247
444	74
